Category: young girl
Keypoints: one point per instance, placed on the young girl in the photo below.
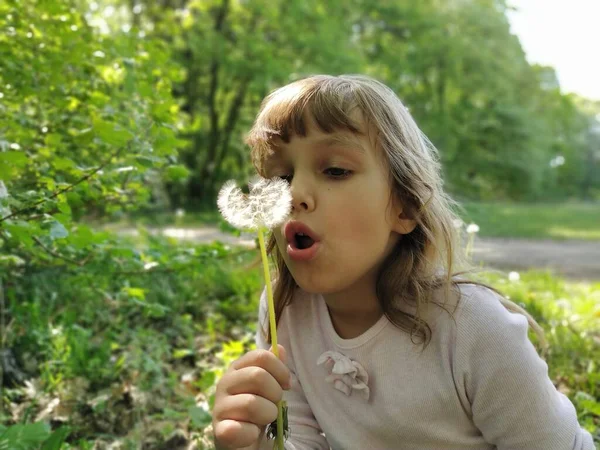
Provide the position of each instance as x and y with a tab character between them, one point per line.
383	346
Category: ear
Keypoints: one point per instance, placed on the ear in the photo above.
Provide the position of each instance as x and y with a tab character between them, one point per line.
400	220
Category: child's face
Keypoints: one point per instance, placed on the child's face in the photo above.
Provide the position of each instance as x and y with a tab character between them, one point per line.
341	191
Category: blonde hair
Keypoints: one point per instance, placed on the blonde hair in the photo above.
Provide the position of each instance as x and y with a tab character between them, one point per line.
423	260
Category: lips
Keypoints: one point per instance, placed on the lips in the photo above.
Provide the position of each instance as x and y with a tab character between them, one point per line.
311	241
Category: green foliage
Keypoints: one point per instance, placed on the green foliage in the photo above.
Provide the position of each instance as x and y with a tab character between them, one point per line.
32	436
114	340
121	340
500	123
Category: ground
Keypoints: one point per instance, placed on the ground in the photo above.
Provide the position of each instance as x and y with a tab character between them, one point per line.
572	259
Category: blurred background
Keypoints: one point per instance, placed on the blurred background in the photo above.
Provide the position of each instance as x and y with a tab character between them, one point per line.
124	295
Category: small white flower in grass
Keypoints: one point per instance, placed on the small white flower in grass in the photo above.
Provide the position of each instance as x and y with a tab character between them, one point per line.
187	377
266	206
473	228
514	276
562	303
150	265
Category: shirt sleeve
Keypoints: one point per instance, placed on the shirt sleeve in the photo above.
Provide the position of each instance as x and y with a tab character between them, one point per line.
305	432
513	401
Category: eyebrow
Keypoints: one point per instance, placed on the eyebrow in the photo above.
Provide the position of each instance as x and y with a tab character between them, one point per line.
340	141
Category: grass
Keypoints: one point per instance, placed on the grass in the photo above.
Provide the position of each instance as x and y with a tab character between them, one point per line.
134	359
164	219
537	221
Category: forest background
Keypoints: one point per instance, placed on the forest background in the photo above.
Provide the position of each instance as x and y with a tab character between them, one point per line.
135	111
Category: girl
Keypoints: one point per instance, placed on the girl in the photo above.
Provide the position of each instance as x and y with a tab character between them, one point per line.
383	346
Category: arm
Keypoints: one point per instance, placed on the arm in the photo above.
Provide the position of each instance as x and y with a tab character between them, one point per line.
305	432
513	401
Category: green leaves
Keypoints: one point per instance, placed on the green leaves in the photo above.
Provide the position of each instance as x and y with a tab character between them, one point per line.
32	436
200	417
58	230
111	133
10	162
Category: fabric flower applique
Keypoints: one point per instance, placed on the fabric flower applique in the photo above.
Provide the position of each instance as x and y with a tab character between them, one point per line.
346	375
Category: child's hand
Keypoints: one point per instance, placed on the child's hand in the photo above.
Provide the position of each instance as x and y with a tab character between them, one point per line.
246	398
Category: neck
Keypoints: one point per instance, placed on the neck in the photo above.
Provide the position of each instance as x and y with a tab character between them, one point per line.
353	311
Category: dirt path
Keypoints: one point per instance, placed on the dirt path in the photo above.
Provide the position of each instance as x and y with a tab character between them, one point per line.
572	259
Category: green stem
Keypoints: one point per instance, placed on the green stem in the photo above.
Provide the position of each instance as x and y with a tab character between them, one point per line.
273	326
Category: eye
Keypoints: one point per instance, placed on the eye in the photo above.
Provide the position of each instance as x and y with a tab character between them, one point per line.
338	173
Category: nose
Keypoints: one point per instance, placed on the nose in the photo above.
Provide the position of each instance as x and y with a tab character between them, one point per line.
303	198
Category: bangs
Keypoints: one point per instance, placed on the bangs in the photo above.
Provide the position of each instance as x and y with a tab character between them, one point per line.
328	100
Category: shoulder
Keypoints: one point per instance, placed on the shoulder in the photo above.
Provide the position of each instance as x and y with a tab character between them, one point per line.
481	309
477	319
487	332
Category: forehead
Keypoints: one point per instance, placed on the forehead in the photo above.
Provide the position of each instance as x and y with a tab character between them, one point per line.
356	141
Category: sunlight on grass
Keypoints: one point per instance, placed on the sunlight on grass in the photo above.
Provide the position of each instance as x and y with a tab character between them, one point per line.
538	221
569	233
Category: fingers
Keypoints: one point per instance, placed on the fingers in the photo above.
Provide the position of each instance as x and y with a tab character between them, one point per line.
233	434
282	352
246	408
247	396
267	361
254	380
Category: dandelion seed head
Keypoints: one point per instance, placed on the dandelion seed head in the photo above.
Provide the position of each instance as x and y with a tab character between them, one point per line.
267	205
514	276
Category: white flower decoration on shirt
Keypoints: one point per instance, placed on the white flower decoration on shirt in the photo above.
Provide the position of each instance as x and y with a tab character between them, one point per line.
345	374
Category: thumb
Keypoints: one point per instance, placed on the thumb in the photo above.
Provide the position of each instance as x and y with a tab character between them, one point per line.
282	352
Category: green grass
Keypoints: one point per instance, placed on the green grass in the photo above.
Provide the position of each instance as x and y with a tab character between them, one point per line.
136	356
538	221
164	219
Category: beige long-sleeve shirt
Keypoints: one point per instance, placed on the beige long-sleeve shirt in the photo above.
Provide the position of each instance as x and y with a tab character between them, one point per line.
479	385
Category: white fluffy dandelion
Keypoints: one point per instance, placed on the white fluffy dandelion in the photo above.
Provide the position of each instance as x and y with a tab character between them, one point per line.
266	206
514	276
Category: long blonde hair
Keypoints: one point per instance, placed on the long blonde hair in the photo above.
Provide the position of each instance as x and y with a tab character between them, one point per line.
423	260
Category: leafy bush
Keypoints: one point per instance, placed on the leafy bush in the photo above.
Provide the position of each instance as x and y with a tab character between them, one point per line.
107	345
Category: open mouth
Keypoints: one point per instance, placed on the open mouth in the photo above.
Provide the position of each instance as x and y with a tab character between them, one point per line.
303	241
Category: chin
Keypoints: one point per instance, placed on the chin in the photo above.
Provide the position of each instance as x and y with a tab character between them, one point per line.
316	286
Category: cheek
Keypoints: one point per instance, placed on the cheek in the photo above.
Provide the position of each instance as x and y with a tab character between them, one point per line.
360	214
279	239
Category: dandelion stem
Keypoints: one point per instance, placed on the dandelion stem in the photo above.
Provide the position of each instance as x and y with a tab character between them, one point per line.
273	325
